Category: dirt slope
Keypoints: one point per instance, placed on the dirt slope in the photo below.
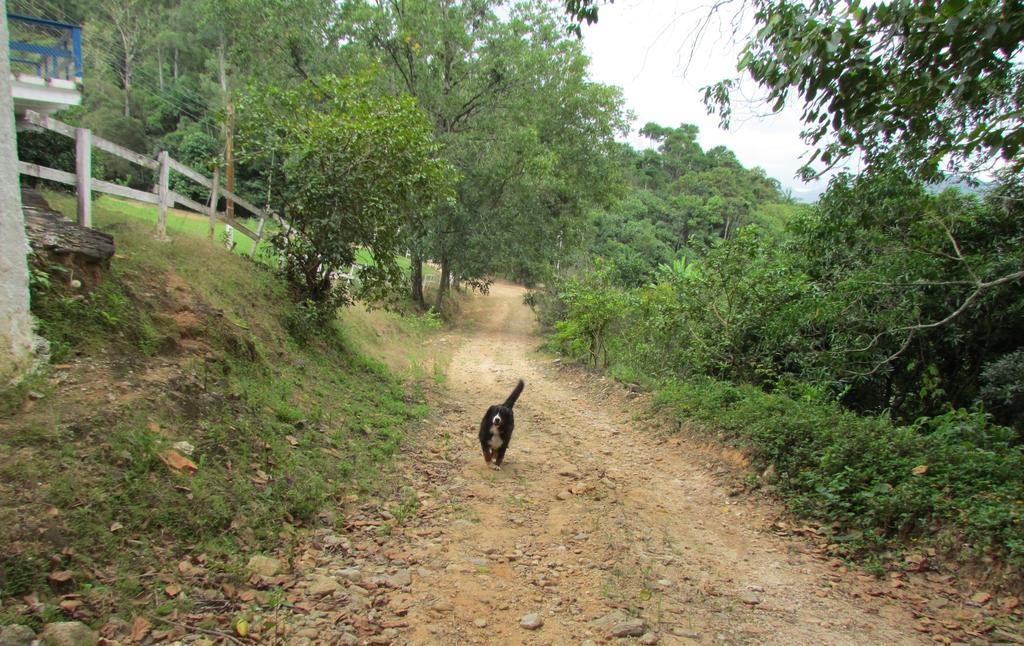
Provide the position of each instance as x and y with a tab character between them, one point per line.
589	515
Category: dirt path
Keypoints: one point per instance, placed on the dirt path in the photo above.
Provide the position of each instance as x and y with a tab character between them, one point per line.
591	518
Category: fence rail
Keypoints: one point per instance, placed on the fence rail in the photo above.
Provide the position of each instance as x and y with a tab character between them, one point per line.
165	198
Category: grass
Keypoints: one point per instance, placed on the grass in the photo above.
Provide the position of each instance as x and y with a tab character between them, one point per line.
185	342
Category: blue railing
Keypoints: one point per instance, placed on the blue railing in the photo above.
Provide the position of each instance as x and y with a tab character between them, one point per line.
49	48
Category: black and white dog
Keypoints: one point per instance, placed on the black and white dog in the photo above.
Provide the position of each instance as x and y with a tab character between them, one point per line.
496	428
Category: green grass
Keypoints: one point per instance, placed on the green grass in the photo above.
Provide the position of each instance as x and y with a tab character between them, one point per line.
108	208
183	341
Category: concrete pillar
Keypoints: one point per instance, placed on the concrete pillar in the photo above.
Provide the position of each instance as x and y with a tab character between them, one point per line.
16	336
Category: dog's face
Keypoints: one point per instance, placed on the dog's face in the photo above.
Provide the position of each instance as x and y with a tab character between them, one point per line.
500	413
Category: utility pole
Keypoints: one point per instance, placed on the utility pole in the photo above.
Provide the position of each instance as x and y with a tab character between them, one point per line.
16	338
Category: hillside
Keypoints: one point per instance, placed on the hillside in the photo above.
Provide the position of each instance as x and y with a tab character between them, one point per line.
181	423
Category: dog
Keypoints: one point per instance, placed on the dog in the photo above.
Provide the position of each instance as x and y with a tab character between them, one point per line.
496	428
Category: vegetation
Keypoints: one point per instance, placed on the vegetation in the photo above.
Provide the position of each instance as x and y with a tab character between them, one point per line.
183	342
864	350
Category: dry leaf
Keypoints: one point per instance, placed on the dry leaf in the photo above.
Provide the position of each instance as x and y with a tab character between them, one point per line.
140	628
920	470
980	598
177	461
172	590
291	440
246	595
69	604
242	627
61	576
116	526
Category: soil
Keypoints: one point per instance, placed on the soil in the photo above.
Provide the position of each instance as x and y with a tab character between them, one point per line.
597	519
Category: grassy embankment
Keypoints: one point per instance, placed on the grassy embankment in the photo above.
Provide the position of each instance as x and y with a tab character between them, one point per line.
183	342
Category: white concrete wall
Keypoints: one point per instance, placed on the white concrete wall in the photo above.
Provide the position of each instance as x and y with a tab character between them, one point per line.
16	336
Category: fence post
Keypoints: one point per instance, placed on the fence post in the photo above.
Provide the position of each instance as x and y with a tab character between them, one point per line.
83	172
164	194
259	236
213	203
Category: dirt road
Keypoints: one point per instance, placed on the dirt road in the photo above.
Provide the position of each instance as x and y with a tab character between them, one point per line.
594	525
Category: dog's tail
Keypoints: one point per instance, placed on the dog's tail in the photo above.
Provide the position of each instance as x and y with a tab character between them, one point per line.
511	401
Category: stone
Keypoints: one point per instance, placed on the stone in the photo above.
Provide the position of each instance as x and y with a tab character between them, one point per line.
68	633
400	579
610	619
351	574
649	639
480	622
264	565
532	621
348	639
750	597
628	628
308	633
321	585
16	635
563	495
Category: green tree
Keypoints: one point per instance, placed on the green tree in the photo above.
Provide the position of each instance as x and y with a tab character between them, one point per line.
934	84
354	163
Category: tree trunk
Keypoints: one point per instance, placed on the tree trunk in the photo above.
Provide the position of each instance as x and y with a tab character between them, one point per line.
127	88
160	66
442	286
416	280
175	63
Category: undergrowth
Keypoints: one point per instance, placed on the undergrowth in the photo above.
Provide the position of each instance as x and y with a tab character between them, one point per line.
954	482
281	431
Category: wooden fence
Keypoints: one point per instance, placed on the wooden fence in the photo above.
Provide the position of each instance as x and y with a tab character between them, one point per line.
165	198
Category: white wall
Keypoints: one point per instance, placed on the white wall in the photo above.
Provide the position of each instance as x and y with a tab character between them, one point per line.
16	337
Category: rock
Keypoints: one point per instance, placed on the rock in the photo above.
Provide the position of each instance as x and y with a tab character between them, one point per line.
750	597
563	495
16	635
679	631
358	600
351	574
480	622
532	621
308	633
649	639
321	585
264	565
628	628
400	579
348	639
612	618
184	448
68	633
333	541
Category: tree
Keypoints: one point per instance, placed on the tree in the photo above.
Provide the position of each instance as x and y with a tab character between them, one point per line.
519	121
933	85
353	164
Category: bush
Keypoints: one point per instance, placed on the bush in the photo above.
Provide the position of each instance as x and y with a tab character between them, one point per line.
954	476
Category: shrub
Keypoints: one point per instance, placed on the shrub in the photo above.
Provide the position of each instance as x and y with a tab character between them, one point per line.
955	475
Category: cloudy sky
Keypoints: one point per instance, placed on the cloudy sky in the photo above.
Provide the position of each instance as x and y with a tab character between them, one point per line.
643	46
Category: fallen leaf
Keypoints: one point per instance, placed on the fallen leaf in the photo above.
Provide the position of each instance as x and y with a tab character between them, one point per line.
920	470
52	512
153	426
246	595
291	440
60	576
242	627
116	526
69	604
172	590
177	461
980	598
140	628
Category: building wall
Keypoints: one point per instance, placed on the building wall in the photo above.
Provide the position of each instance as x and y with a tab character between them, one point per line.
16	338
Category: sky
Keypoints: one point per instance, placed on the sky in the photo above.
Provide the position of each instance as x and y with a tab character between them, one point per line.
643	47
